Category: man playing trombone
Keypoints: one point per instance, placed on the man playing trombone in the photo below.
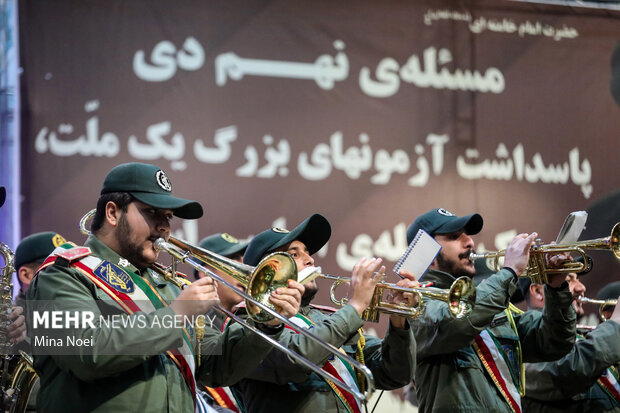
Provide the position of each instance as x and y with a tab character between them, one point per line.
586	379
279	384
474	364
131	334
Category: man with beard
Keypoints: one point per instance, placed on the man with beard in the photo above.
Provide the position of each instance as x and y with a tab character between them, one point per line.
132	341
586	379
474	364
224	244
279	384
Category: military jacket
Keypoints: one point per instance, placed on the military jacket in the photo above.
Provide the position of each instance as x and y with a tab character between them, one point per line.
450	376
570	384
280	384
111	375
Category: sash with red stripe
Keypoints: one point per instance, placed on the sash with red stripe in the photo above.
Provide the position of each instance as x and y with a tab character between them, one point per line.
609	382
223	397
338	368
491	355
145	294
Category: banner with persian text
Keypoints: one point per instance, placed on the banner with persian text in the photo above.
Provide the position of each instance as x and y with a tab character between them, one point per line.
367	112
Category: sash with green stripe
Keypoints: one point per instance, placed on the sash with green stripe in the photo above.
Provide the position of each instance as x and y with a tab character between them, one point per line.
116	283
609	382
492	357
336	367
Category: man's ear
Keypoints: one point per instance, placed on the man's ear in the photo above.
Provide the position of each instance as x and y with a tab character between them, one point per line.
25	275
537	291
112	213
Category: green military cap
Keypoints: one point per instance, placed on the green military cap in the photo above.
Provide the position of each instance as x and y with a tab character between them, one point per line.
314	232
150	185
223	244
609	292
442	221
36	247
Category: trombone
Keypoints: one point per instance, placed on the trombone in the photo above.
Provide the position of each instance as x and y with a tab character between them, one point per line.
603	303
537	268
272	272
460	297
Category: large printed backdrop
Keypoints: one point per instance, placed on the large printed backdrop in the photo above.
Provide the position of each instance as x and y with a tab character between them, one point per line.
367	112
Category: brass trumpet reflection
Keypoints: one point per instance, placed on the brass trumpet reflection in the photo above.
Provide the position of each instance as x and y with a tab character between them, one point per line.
460	297
604	305
537	268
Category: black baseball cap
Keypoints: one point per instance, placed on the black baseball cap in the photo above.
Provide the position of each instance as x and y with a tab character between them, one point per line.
36	247
223	244
149	184
442	221
609	292
314	232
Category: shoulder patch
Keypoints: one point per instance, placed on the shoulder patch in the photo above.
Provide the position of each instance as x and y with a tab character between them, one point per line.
75	253
115	277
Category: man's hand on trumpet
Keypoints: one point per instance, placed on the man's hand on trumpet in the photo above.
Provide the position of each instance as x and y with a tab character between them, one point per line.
363	281
557	261
404	298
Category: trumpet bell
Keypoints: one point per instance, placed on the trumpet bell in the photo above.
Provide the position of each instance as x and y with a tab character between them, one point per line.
462	297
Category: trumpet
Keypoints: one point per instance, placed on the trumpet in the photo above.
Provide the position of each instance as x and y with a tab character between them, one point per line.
460	297
537	269
272	272
603	304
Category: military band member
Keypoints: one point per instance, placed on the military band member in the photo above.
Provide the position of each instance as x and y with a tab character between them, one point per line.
474	364
586	379
150	367
230	247
280	384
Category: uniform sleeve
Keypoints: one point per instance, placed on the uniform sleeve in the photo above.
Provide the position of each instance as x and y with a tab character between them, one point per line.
392	360
437	332
229	356
577	371
335	329
551	334
116	347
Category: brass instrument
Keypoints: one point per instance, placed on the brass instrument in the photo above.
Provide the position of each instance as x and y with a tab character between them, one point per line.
460	297
538	269
603	304
17	375
272	272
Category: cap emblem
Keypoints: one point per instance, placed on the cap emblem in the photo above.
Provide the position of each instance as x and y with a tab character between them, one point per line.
280	230
229	238
58	240
445	212
163	181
